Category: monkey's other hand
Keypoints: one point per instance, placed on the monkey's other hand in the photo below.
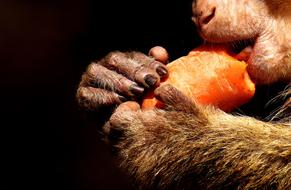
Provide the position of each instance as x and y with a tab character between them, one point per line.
119	77
128	119
146	140
188	146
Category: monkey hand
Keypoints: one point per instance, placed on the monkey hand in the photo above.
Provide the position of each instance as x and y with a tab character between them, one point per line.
119	77
188	146
129	121
141	135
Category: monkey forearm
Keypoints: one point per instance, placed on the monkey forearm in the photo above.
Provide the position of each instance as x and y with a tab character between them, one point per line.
225	152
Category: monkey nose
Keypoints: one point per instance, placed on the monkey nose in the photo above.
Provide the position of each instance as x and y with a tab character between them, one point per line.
206	16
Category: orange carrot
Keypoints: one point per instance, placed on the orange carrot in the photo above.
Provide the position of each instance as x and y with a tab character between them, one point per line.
208	75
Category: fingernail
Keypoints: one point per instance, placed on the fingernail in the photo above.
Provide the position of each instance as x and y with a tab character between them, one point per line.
150	80
162	71
122	98
136	89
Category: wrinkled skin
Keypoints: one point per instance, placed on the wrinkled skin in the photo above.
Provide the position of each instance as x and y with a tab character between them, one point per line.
121	76
267	23
189	146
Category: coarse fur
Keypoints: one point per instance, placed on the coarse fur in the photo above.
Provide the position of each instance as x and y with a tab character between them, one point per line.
241	156
202	148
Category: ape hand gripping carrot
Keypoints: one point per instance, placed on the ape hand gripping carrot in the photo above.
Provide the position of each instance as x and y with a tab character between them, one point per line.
208	75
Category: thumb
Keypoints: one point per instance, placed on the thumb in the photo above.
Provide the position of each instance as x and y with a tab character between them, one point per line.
160	54
175	99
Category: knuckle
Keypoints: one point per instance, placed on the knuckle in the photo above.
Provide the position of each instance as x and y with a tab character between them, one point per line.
113	57
168	93
92	69
84	81
139	56
83	97
91	98
89	76
166	88
106	128
122	118
116	119
81	93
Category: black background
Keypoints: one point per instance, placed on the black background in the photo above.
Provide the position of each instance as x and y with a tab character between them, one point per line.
47	142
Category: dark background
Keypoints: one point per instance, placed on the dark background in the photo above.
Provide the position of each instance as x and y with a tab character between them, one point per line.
47	142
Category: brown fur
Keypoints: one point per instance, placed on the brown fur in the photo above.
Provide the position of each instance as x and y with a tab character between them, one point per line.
204	149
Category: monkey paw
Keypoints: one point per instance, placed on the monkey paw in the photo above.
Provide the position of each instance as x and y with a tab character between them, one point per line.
129	121
120	77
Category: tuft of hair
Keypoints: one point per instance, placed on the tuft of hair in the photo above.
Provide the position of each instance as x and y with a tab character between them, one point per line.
174	151
282	113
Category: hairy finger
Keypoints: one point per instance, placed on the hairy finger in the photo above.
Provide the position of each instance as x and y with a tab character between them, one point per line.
128	106
174	99
160	54
101	77
92	99
134	66
151	63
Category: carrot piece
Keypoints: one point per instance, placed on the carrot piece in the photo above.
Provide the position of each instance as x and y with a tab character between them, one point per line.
209	75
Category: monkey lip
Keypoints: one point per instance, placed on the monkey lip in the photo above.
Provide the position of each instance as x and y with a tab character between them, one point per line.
240	45
243	49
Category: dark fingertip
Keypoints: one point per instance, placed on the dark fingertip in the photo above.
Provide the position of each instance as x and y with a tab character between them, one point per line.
162	71
150	80
136	89
122	98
